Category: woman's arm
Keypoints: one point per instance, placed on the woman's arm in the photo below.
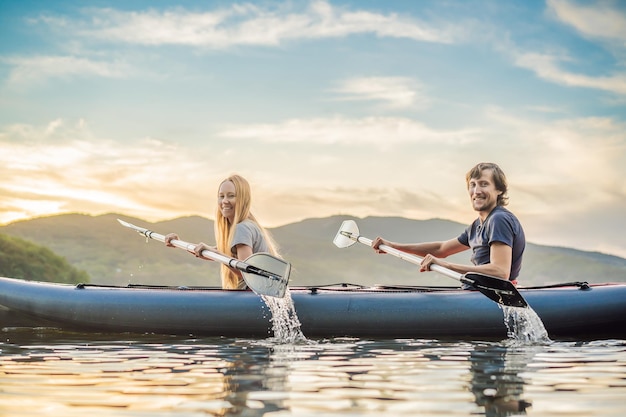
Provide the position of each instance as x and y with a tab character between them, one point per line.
243	251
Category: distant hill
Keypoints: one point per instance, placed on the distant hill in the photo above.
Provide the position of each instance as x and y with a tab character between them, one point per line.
112	254
23	259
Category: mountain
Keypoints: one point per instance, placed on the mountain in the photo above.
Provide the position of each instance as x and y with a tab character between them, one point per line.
112	254
23	259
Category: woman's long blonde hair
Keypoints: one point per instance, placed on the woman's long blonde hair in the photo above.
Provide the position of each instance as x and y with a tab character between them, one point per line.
225	231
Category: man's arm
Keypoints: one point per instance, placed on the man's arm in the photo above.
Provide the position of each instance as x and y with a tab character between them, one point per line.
439	249
499	265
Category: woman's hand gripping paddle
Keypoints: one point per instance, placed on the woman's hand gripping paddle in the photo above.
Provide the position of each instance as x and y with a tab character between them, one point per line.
264	274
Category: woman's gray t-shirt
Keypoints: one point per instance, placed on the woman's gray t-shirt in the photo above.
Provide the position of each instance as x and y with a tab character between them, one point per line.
248	233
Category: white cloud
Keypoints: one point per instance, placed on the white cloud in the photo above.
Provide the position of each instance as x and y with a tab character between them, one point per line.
394	92
380	131
57	130
37	68
53	125
248	25
547	67
599	22
569	169
597	19
78	172
582	161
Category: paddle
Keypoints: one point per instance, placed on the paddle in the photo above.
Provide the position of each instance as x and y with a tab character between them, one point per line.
499	290
264	274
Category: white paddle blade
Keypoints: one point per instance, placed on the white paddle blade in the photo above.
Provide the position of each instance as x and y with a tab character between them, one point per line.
347	235
132	226
274	285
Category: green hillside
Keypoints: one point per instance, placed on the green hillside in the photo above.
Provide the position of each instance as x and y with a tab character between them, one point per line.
112	254
22	259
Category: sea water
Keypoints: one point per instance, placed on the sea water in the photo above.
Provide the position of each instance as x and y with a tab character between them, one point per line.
48	372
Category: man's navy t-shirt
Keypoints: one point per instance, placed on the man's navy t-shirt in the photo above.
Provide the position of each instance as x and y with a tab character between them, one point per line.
500	226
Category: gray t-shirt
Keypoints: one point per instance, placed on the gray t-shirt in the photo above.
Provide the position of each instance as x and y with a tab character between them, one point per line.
500	226
248	233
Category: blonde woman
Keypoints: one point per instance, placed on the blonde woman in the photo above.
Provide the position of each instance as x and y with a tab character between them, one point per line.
237	232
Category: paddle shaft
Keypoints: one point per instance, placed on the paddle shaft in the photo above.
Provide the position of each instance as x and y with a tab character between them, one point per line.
499	290
232	262
190	247
407	257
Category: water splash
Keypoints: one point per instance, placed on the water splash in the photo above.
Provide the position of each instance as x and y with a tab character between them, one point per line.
524	325
285	322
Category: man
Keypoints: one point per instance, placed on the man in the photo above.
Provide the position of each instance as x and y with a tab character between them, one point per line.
496	237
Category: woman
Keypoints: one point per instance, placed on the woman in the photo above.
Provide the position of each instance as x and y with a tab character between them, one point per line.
237	232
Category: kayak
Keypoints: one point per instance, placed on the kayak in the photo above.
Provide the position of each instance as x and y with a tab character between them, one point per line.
574	311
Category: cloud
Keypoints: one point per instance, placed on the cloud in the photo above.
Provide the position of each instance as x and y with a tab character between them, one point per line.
378	131
580	160
26	70
566	169
359	200
247	25
75	171
393	92
57	130
547	67
602	24
597	20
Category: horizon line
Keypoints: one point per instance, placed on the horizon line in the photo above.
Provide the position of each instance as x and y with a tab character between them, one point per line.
76	213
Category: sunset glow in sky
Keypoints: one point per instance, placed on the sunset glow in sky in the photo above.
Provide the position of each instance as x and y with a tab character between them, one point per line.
327	107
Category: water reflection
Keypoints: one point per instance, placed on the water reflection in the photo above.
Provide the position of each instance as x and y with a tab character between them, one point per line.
367	377
496	382
71	377
46	372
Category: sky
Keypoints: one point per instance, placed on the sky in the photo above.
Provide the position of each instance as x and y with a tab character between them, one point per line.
327	107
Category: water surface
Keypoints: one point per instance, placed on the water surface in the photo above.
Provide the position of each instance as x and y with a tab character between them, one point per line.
45	372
